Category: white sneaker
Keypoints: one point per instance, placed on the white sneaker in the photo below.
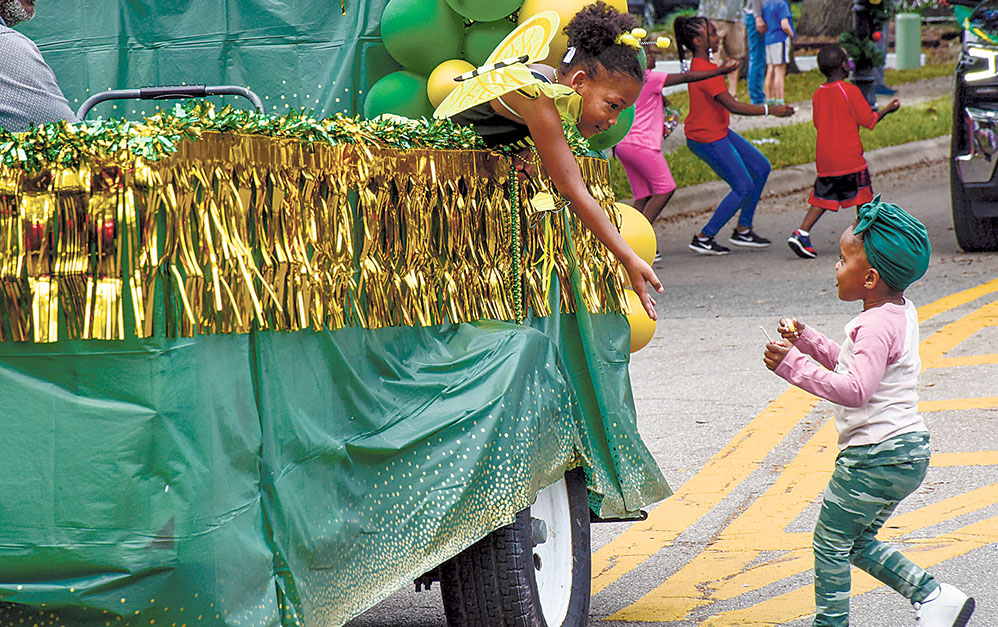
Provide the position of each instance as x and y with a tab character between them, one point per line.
947	608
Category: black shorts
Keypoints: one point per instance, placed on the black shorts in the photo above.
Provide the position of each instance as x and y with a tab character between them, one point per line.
847	190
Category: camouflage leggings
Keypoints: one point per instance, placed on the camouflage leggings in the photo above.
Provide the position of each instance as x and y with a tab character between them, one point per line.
857	502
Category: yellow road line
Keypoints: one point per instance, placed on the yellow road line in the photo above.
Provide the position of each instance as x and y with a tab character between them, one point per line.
973	458
698	496
957	404
752	532
933	309
933	349
800	602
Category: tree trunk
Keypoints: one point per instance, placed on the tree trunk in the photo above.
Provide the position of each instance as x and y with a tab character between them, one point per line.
826	18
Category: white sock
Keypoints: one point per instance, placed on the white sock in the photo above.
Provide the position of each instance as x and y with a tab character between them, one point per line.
804	233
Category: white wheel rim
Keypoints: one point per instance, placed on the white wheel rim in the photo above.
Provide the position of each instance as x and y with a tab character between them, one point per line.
554	578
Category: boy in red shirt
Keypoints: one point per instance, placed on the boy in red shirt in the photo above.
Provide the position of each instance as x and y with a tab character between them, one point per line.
843	177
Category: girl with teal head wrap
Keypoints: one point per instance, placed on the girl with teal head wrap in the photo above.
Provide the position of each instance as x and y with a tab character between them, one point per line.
872	379
896	243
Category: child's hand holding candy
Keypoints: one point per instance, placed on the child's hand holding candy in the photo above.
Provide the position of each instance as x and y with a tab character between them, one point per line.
790	329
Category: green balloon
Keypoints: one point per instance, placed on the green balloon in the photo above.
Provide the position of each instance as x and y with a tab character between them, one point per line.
421	34
484	10
402	93
481	38
612	136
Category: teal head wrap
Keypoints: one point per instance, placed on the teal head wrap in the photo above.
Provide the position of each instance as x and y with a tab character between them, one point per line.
896	244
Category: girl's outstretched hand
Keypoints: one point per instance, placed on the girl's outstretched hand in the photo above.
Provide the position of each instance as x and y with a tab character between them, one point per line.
781	111
790	329
775	352
728	66
639	272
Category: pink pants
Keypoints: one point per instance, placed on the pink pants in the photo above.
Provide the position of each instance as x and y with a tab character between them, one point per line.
646	169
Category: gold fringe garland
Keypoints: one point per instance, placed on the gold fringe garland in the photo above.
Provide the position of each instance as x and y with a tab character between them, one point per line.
238	231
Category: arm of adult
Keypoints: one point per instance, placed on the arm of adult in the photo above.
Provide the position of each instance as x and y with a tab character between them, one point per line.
29	94
546	131
760	22
743	108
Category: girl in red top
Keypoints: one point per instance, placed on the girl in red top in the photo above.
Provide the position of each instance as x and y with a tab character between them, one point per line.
735	160
843	178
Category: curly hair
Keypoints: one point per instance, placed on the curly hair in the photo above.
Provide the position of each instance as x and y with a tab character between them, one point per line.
687	29
593	33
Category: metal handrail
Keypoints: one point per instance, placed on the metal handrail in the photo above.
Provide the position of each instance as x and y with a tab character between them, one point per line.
169	92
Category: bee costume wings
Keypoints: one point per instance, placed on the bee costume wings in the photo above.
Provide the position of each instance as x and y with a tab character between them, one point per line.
506	70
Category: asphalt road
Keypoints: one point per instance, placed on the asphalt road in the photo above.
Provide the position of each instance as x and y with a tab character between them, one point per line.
748	456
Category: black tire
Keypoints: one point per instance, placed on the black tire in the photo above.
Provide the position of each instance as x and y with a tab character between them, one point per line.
973	234
493	583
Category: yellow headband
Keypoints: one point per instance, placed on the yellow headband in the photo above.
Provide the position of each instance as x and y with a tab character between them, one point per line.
660	42
632	38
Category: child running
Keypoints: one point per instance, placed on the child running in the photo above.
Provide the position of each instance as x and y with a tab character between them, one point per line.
883	443
735	160
843	177
640	152
600	76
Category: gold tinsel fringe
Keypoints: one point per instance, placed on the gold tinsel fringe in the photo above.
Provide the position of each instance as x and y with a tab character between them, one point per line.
237	232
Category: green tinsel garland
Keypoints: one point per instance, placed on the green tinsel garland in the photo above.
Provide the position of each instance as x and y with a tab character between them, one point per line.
62	144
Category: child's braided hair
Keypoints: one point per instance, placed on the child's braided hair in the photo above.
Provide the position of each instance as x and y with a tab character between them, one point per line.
593	32
687	29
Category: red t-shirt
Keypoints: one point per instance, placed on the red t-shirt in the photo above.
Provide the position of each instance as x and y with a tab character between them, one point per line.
839	109
708	119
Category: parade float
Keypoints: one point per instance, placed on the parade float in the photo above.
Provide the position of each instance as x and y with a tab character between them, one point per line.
266	368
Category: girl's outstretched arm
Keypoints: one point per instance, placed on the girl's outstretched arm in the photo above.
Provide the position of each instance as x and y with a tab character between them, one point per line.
743	108
544	123
729	65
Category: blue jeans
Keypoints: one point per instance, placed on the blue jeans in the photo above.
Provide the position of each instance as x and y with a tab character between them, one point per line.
742	167
756	60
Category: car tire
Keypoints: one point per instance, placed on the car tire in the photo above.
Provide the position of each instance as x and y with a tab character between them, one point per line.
973	234
534	572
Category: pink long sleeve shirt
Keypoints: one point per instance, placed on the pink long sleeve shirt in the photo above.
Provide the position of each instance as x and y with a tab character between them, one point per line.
871	378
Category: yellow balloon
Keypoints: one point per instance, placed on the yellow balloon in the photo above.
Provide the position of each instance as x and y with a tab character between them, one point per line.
441	81
637	232
566	10
642	326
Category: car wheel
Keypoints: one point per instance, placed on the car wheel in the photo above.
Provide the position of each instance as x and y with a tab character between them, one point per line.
973	234
532	573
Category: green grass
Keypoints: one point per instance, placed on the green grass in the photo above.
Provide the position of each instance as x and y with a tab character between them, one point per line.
796	143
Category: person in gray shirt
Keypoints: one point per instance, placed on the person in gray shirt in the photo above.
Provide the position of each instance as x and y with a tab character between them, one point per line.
728	19
29	94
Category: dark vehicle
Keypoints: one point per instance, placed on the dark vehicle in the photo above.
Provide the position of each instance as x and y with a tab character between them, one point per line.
974	146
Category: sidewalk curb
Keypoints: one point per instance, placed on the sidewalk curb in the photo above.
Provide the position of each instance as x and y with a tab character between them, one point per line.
703	198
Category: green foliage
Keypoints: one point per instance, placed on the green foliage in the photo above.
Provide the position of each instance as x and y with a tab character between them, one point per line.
794	144
861	51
